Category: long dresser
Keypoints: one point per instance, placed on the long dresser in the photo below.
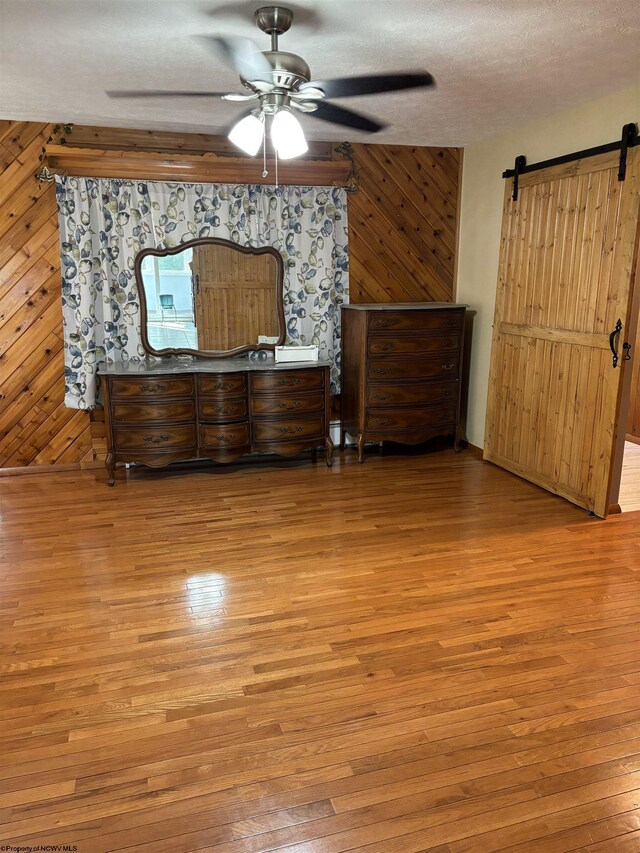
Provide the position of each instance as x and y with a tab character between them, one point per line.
401	368
158	412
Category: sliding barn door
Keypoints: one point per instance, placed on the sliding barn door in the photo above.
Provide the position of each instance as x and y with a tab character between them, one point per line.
565	278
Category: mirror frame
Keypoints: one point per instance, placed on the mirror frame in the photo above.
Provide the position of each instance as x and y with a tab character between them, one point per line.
208	241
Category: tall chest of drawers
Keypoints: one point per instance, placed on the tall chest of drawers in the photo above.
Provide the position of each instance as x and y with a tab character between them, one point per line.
166	412
401	368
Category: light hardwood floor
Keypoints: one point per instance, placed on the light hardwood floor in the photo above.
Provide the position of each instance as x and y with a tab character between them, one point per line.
629	499
421	653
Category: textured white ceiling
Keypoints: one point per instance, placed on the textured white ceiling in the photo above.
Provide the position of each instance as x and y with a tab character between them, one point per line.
497	62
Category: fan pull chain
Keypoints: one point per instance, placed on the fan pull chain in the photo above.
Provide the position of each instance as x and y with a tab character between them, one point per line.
276	156
265	171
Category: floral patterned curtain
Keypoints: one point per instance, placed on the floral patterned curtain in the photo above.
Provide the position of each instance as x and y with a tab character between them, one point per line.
104	224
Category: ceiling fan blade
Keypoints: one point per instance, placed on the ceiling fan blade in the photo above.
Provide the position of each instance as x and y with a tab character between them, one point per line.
161	93
348	118
243	55
233	96
370	84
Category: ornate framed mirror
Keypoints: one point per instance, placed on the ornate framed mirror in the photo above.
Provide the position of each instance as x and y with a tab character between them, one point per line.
210	298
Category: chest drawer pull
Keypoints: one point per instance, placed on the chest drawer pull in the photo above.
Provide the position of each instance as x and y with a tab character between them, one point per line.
226	437
382	347
383	324
154	389
448	365
289	430
380	371
157	439
381	421
288	382
443	416
296	404
379	396
224	386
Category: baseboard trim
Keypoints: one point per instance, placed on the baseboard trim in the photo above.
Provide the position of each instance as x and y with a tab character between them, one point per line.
475	450
50	469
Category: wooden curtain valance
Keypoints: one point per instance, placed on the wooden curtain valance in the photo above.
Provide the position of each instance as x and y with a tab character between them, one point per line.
210	168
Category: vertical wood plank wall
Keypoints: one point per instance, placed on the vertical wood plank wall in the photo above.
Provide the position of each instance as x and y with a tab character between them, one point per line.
403	225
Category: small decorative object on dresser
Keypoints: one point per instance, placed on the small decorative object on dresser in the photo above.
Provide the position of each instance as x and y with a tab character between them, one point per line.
401	372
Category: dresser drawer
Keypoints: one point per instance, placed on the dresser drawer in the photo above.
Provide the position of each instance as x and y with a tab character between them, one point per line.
380	394
154	438
222	409
230	435
307	379
227	383
387	321
282	405
150	386
418	343
414	368
135	413
291	428
399	419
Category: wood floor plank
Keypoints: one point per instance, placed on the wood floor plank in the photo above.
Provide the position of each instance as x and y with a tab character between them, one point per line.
422	653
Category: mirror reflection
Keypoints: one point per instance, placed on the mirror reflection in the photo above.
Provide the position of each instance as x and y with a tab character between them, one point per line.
211	297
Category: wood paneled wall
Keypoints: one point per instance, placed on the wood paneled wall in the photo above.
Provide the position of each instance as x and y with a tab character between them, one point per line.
35	427
403	225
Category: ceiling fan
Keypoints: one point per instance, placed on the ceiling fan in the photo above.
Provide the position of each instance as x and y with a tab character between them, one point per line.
279	82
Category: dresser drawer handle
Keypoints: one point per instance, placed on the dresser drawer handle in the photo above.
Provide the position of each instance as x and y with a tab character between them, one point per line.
288	382
379	396
383	347
226	437
380	371
289	430
224	410
157	439
223	386
443	416
294	405
381	421
384	324
153	389
448	365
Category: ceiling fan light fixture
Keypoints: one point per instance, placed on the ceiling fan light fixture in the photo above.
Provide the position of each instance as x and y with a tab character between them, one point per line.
287	135
248	134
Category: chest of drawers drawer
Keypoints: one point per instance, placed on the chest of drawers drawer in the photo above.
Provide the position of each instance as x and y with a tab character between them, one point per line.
151	412
429	321
224	435
273	404
223	409
393	394
414	368
401	419
122	388
419	343
154	437
310	379
227	383
290	429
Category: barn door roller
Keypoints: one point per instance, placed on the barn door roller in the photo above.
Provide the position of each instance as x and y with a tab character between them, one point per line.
628	139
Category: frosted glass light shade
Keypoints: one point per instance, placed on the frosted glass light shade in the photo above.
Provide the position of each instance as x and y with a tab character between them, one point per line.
247	134
287	135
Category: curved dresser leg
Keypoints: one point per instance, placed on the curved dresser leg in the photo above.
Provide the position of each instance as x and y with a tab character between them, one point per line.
110	464
343	436
361	447
329	445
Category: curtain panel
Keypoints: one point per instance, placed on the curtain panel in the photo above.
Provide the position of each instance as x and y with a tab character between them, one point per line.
104	223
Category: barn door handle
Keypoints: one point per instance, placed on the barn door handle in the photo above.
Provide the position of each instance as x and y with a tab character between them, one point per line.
614	337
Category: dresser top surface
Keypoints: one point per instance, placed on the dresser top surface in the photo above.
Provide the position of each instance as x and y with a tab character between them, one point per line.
404	306
174	366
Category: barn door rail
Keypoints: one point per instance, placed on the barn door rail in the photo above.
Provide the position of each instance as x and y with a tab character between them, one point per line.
628	139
